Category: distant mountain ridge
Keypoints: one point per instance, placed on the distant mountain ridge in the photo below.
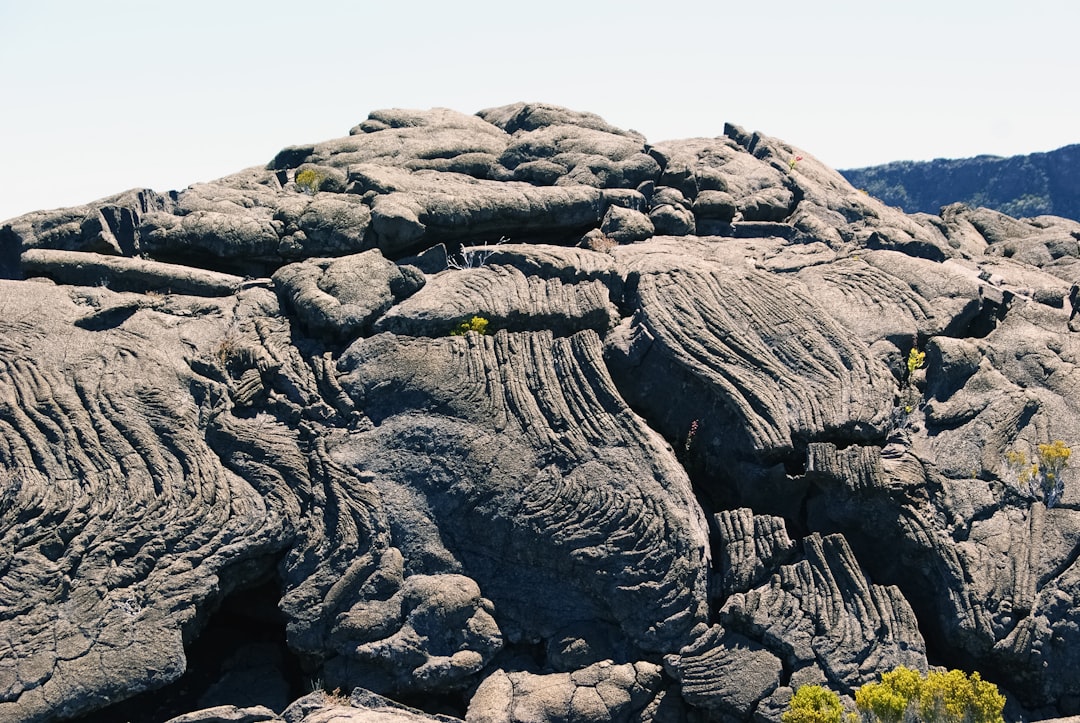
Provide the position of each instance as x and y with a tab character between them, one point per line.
1020	186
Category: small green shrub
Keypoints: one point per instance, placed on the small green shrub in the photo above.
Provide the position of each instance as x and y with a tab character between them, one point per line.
890	699
954	697
1044	475
813	704
904	696
915	360
938	697
1017	463
910	398
1053	458
478	324
309	180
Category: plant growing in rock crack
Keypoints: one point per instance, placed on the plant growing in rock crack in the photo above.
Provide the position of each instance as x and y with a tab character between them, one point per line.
333	697
1042	474
309	180
338	697
477	324
910	398
473	257
229	344
691	435
915	360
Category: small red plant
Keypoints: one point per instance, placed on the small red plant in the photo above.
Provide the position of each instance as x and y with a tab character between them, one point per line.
691	435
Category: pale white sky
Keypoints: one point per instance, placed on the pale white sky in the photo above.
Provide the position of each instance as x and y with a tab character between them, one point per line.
97	96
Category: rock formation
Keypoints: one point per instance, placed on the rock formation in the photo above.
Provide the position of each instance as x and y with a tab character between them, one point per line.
732	427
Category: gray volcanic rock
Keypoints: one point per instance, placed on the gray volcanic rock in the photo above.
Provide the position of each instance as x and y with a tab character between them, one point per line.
439	139
547	455
816	621
555	146
726	674
596	694
1048	242
751	546
126	274
120	522
362	706
734	427
228	714
507	298
342	297
109	226
431	206
747	359
833	618
434	633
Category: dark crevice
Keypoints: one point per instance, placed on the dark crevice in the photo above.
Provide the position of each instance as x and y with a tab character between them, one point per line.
248	267
450	704
786	671
798	525
795	463
239	658
454	238
939	652
123	223
108	318
10	251
990	314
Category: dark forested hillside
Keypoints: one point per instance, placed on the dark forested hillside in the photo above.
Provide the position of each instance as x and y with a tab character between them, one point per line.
1020	186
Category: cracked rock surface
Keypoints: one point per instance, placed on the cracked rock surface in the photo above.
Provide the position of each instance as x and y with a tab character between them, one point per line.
690	464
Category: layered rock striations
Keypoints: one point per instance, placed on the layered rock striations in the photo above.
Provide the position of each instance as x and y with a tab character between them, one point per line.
691	463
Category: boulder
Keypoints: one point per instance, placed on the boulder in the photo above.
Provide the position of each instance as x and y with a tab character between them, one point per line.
341	298
434	634
507	299
726	674
438	139
625	225
126	274
434	206
596	694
